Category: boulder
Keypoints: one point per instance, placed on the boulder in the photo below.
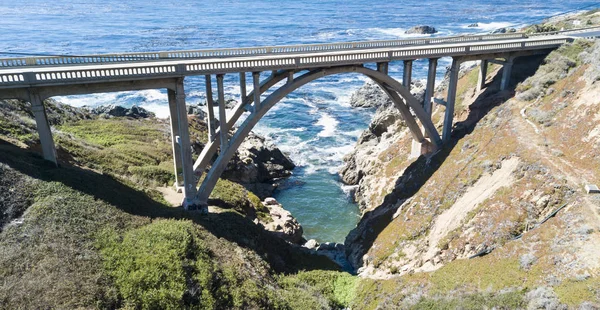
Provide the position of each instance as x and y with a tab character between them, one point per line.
284	225
421	30
311	244
258	162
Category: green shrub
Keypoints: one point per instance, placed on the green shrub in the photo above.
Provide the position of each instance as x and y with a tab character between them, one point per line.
154	173
337	287
160	266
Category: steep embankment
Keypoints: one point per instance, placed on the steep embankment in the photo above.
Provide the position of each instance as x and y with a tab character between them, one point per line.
516	157
95	233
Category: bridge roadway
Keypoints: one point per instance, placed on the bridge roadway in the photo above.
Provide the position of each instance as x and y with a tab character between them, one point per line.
35	79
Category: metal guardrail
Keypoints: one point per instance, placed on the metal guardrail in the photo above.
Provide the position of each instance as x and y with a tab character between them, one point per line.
183	67
258	51
236	52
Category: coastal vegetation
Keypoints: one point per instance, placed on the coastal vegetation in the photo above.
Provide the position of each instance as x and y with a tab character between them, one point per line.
98	233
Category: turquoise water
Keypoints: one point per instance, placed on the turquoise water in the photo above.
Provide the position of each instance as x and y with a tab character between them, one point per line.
315	124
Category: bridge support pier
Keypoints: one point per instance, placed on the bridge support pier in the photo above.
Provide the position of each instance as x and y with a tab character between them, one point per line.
506	73
43	126
210	109
383	67
430	87
174	120
482	74
450	100
223	130
181	144
407	74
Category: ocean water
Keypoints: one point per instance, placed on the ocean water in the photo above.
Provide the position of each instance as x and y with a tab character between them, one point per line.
315	124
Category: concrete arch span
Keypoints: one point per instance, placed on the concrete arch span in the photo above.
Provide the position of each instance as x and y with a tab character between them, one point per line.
400	96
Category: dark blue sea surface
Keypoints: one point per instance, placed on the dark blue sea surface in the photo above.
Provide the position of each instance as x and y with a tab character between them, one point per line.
315	124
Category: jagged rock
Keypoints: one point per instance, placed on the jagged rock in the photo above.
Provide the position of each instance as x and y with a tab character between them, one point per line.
473	25
270	201
311	244
368	96
387	119
258	162
119	111
284	225
198	110
504	30
421	30
230	103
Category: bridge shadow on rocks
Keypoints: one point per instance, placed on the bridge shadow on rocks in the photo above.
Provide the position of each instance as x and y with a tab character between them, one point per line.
229	225
361	239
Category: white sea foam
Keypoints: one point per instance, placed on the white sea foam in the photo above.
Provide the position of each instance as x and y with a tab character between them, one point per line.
329	124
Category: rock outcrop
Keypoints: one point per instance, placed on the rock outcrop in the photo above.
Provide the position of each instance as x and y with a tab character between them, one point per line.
421	30
258	165
284	225
504	30
119	111
383	131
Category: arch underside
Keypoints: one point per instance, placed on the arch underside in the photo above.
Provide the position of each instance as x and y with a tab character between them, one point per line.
400	96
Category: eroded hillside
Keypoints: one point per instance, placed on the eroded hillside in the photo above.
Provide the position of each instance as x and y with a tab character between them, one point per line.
501	215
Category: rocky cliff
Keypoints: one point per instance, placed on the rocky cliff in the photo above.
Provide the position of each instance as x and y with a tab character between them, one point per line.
503	207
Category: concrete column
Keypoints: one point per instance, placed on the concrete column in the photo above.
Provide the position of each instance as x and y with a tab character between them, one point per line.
482	74
506	73
383	67
210	109
407	74
173	115
256	83
290	77
449	116
43	127
224	131
187	164
430	88
243	94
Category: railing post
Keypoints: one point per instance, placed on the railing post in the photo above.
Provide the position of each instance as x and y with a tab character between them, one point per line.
210	109
224	131
407	74
43	126
482	74
449	115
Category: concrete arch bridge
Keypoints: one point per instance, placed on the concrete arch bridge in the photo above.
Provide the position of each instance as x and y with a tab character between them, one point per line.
34	79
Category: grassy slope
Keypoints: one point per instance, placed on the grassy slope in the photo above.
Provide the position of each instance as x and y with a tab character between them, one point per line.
94	233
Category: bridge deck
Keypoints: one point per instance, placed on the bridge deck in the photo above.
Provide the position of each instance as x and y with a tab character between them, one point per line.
43	75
